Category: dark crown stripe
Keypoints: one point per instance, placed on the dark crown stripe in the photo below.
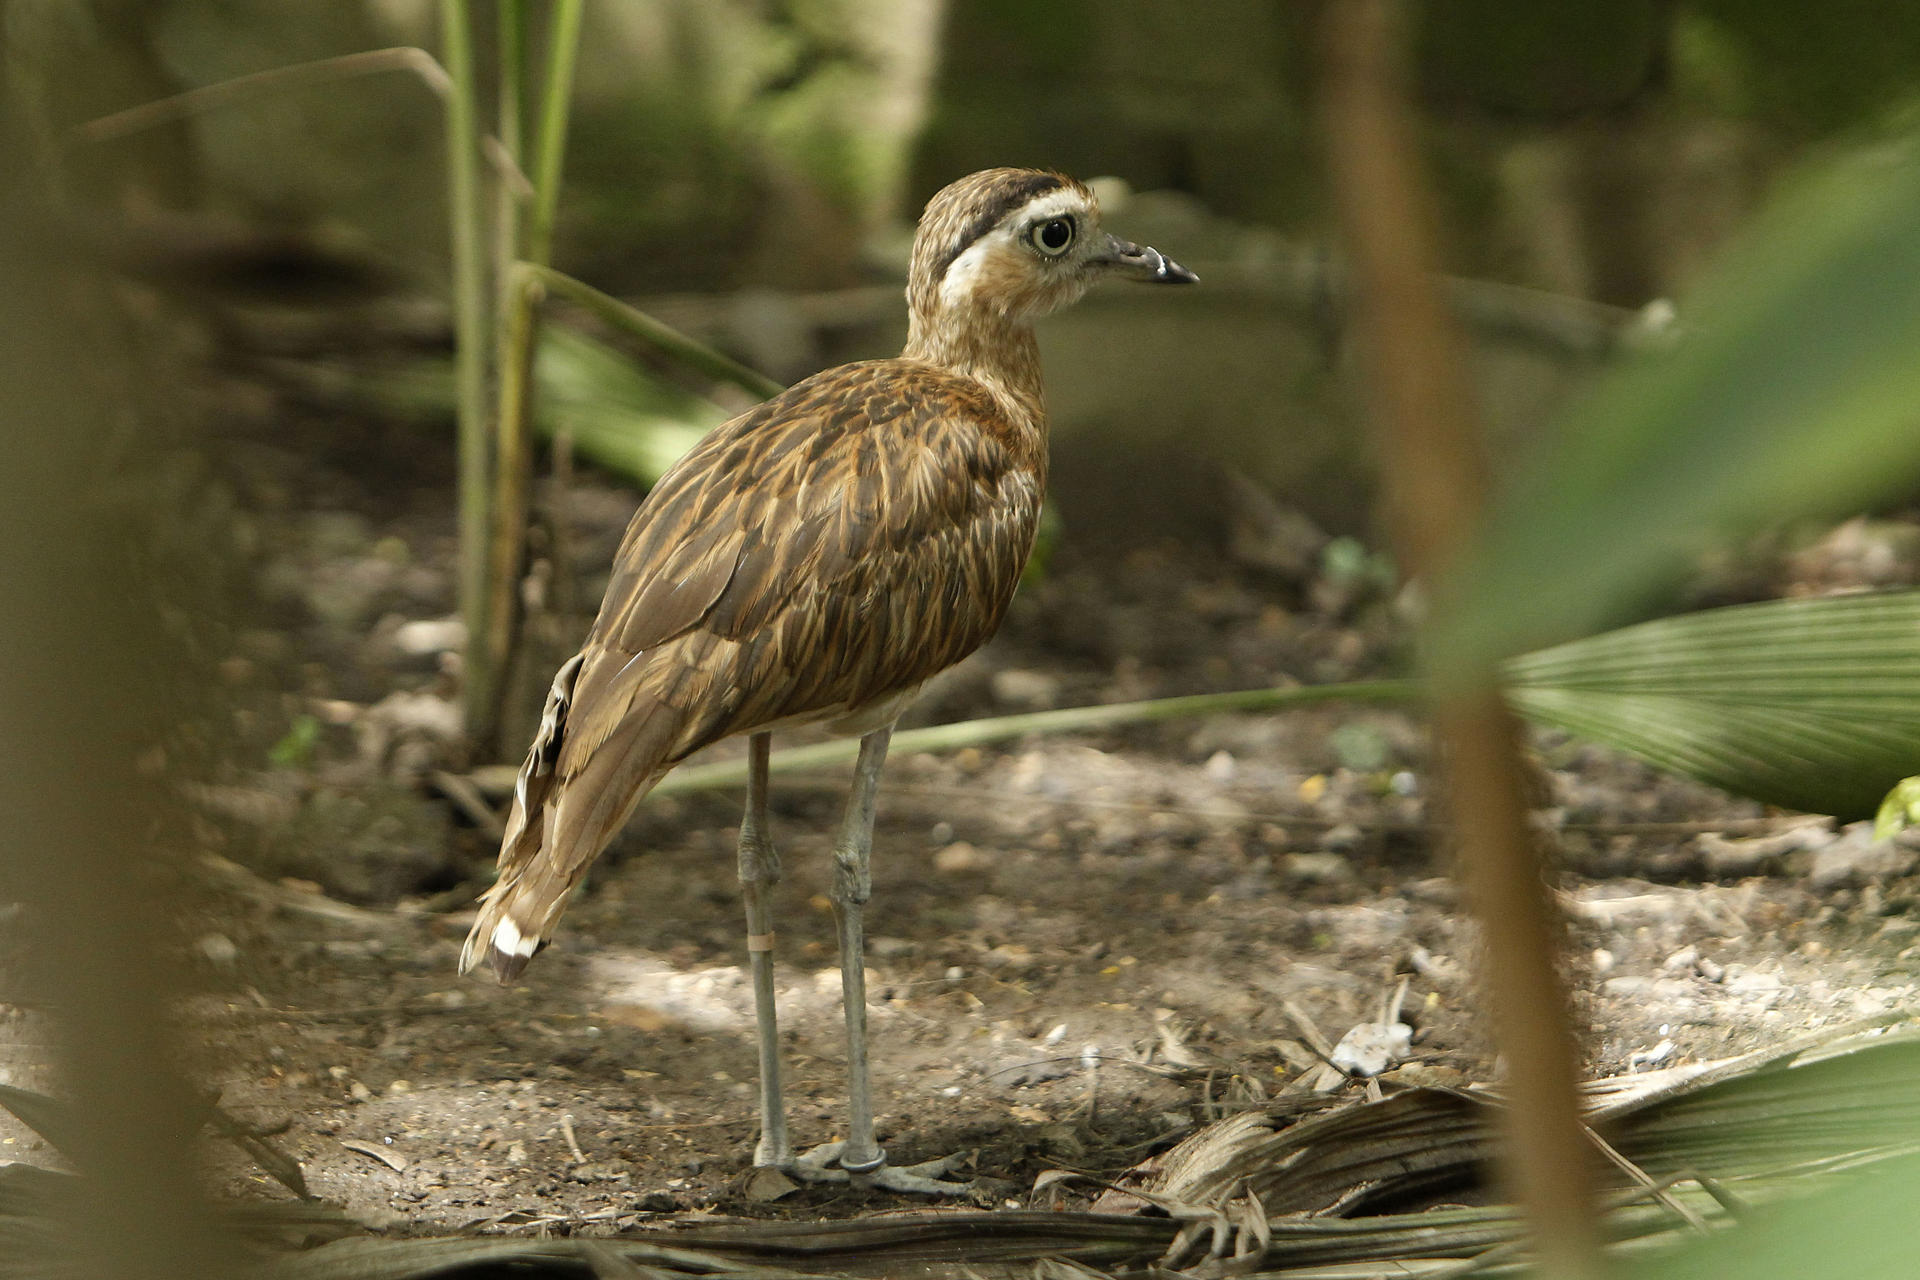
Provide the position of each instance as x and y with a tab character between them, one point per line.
1004	201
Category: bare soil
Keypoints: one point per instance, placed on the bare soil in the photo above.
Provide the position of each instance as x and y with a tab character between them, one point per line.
1082	947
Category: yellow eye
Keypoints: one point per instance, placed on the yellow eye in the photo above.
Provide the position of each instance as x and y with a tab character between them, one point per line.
1052	237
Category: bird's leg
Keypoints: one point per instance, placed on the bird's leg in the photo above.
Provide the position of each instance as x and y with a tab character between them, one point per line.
852	886
860	1158
759	871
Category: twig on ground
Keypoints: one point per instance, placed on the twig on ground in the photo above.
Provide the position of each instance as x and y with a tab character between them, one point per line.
300	901
573	1142
467	799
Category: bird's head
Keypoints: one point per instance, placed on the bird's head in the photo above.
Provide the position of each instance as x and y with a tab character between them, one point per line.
1015	244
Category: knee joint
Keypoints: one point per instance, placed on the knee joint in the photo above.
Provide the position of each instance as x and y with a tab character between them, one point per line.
759	860
852	880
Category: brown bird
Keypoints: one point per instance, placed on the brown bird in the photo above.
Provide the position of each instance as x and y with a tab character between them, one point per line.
816	560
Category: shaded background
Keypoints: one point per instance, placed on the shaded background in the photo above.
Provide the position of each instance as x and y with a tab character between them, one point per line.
254	333
743	151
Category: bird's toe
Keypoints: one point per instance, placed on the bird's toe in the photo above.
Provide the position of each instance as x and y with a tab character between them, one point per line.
928	1178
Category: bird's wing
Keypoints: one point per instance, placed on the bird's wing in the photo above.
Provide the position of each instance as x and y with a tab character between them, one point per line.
842	542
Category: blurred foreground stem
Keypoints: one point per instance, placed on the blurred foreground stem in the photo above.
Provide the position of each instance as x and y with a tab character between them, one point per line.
90	662
1427	445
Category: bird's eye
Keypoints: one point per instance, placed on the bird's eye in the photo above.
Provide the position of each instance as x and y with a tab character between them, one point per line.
1053	236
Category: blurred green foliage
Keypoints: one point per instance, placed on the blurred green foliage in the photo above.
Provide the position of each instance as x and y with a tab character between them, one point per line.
295	748
1809	69
1792	389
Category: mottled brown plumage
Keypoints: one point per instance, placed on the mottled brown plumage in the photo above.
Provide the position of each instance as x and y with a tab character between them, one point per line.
819	557
824	552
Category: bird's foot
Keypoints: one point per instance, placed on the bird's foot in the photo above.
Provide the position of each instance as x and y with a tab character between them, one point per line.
928	1178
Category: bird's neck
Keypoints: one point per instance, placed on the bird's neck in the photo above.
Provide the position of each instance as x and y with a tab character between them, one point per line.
995	351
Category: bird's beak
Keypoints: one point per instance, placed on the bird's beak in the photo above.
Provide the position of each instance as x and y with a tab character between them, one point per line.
1143	262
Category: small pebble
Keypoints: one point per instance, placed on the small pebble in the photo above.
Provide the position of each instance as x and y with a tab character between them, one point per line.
1316	868
1025	688
961	858
1685	960
1372	1047
436	635
1342	837
217	949
1648	1059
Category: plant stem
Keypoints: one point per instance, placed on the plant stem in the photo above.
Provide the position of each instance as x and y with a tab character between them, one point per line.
512	37
556	96
512	482
970	733
470	349
520	296
512	453
1424	427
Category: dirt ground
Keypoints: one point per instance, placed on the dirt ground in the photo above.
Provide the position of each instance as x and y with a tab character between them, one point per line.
1081	947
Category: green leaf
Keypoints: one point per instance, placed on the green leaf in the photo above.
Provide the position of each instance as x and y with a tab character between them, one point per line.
1824	1139
1792	389
1856	1231
1807	704
619	415
1900	810
296	748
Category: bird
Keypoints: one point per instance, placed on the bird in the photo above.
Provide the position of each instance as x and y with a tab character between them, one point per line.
816	560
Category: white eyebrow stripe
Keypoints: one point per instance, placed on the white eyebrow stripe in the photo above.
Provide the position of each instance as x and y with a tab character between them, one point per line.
1050	204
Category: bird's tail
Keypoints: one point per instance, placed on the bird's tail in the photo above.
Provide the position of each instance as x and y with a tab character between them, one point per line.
563	815
506	930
